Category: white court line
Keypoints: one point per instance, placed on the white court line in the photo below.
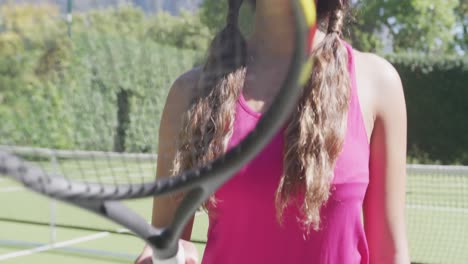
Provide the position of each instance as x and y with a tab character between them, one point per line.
116	169
27	252
437	208
11	189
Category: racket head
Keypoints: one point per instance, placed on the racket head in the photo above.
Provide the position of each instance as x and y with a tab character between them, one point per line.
98	170
110	114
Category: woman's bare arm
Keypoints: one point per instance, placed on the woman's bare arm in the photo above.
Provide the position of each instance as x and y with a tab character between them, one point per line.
384	205
177	103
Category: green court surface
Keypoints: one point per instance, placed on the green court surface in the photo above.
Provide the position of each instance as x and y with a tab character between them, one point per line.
437	223
437	216
85	237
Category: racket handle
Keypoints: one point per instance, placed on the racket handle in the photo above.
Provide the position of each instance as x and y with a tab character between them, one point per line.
179	258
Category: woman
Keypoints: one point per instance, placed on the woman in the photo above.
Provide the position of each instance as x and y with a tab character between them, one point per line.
343	152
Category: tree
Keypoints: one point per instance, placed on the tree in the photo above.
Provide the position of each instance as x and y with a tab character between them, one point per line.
362	27
184	31
420	26
411	26
213	14
462	25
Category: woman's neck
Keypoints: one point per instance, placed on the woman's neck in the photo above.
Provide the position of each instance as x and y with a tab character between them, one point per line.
273	35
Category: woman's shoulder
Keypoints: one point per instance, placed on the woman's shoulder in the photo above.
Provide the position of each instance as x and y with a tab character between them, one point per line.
378	68
183	90
378	81
180	96
184	87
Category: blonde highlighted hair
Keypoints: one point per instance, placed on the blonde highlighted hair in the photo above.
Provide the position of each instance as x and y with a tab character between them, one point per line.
315	135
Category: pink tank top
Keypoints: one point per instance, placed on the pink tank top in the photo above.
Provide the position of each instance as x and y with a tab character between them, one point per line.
243	228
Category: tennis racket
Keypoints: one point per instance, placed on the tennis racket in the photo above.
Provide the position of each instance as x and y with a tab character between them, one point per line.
98	186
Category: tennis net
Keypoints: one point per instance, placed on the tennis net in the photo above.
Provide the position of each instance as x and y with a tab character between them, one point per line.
437	200
437	213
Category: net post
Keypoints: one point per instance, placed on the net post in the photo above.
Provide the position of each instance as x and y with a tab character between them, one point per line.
69	17
53	205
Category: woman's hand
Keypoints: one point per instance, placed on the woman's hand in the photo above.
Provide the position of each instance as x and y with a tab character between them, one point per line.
145	256
191	254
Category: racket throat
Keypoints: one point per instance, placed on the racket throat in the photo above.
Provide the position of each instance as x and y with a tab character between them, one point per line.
122	215
166	244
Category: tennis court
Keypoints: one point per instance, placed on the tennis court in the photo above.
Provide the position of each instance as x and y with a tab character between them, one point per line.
25	231
94	75
437	212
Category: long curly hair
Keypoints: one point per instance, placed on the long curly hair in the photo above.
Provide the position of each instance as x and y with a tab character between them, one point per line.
313	138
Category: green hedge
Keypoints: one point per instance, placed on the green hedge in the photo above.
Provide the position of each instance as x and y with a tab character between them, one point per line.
61	92
77	108
143	68
436	90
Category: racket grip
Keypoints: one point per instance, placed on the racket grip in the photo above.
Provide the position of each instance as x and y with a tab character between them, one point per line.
179	258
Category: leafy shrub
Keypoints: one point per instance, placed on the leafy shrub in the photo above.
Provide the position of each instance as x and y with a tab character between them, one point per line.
436	91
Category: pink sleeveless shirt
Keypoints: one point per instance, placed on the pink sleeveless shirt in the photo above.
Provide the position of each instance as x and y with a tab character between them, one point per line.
243	228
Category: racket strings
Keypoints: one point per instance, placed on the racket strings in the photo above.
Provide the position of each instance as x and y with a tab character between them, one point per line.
46	171
79	119
123	173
